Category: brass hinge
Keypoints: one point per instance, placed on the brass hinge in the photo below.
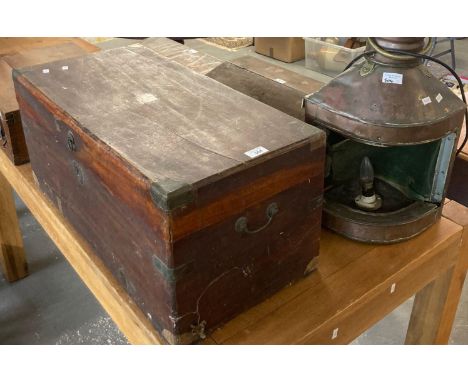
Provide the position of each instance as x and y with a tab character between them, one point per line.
367	68
198	330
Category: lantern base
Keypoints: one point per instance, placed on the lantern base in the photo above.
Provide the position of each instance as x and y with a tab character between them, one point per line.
398	219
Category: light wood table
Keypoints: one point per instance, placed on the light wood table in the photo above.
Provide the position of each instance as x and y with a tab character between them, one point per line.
355	285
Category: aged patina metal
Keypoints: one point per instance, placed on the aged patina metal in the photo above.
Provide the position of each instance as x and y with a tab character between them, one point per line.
390	109
241	224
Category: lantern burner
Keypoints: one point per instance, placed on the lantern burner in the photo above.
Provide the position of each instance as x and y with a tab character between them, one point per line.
368	199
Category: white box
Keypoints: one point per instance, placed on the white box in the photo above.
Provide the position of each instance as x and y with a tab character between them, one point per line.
328	58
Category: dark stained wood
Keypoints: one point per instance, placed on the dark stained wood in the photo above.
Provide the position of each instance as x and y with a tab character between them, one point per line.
27	53
13	141
279	88
12	137
156	177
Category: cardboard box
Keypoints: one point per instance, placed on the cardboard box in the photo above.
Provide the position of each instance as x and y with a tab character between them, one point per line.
287	49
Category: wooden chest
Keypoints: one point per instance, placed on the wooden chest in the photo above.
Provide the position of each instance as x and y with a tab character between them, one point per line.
199	199
23	52
280	88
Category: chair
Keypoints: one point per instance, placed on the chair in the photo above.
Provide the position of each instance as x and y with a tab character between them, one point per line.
436	41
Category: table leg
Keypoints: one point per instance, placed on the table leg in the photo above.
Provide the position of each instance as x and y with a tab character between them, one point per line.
435	306
12	257
434	309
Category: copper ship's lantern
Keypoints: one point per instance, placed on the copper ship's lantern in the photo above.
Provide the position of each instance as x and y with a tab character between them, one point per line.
392	131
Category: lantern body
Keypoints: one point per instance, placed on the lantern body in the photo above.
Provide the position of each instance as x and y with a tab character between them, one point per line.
407	123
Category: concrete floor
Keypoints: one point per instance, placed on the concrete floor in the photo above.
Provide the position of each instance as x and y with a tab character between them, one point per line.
53	306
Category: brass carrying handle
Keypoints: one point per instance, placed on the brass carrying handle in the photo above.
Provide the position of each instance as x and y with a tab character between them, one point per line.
395	56
242	222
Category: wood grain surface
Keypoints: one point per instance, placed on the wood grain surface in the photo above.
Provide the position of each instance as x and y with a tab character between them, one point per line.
12	257
189	127
436	305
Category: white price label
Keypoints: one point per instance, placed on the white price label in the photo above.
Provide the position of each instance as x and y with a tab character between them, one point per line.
256	152
392	78
146	98
65	67
439	98
45	71
335	333
281	81
426	101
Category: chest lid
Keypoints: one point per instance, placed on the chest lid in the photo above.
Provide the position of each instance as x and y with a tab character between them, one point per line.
178	128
